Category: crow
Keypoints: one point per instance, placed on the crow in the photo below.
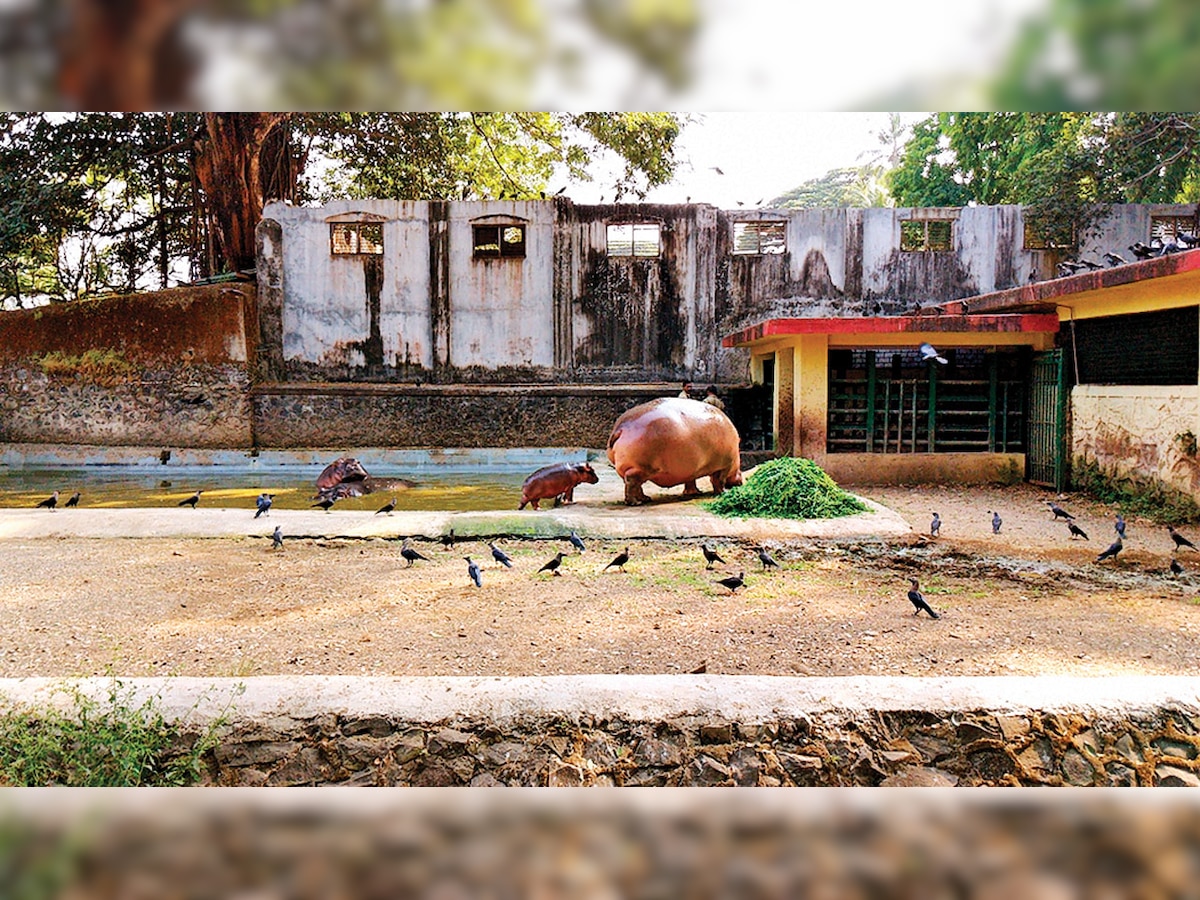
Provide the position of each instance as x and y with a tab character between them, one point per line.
411	555
387	507
1059	512
448	540
277	539
1119	526
576	542
996	522
552	566
324	504
1076	531
473	572
1114	259
1189	239
733	582
1176	568
1069	267
914	596
263	502
768	562
1111	553
73	501
1179	539
935	526
49	503
500	556
928	353
619	562
711	556
1140	250
192	500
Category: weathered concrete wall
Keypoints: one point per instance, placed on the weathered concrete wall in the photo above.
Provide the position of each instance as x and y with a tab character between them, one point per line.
1138	431
170	367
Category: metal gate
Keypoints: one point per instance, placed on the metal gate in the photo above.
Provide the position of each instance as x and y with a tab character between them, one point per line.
1044	456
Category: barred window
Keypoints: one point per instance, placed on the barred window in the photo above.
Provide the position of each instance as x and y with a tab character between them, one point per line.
1167	228
759	238
496	241
927	235
355	238
635	239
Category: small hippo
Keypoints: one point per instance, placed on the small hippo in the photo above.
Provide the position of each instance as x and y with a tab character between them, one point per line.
556	481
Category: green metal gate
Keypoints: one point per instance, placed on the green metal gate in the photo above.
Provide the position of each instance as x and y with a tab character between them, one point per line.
1046	451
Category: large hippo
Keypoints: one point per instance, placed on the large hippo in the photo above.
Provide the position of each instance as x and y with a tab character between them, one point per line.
673	441
346	477
343	469
553	481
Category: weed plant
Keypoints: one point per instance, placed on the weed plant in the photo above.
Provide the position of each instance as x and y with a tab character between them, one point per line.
1135	496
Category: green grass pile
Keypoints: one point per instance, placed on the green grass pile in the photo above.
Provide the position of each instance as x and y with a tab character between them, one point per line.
787	488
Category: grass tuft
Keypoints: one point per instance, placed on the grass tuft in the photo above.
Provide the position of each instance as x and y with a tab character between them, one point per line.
787	488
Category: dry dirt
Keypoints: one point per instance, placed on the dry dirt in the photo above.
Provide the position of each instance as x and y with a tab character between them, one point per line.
1026	601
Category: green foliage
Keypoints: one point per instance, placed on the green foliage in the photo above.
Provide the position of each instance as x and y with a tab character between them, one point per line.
103	366
114	742
1133	495
787	488
860	186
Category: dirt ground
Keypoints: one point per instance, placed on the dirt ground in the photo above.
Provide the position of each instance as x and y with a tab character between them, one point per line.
1026	601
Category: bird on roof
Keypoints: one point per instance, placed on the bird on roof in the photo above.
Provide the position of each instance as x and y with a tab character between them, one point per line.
552	565
768	561
1059	512
710	556
1179	539
917	600
1114	259
576	542
473	572
387	507
263	504
411	555
1069	267
500	556
1076	531
733	582
619	561
192	500
1176	568
1119	525
325	503
928	353
935	525
49	503
73	500
996	523
1113	549
277	539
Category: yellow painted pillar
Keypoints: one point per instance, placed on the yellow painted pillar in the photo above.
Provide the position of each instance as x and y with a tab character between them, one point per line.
811	406
783	403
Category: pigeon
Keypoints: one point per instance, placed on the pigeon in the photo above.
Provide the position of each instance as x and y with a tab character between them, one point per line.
263	502
1176	568
73	501
1113	549
387	507
1059	512
1119	526
411	555
768	562
473	572
935	526
1114	259
324	504
619	562
1189	239
277	539
49	503
1076	531
1179	539
928	353
552	566
711	556
914	596
733	582
448	540
996	522
500	556
192	500
576	542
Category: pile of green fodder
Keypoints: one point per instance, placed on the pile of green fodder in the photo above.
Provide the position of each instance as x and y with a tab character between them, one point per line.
787	488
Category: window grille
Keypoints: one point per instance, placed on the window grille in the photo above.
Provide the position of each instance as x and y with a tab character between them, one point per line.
759	238
496	241
635	239
355	238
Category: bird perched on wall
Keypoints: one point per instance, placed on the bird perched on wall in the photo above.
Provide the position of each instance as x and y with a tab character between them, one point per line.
1113	549
917	600
1140	250
1076	531
928	353
1069	267
1176	568
1189	239
411	555
576	542
552	566
192	500
1119	526
49	503
1114	259
619	561
710	556
263	502
996	522
473	572
768	561
1179	539
500	556
73	500
387	507
1059	512
935	526
733	582
325	503
277	539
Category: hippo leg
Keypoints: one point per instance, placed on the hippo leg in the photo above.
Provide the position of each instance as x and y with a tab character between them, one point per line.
718	482
634	495
690	489
569	495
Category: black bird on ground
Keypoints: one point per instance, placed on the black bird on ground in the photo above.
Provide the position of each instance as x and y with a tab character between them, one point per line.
733	582
1176	568
324	504
935	525
263	502
1179	539
387	507
411	555
1114	259
914	596
500	556
473	572
73	500
996	522
277	539
49	503
711	556
576	542
619	562
192	500
448	540
768	561
552	566
1111	553
1076	531
1119	526
1059	512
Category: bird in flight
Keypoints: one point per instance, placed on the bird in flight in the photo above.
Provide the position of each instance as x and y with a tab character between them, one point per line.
387	507
928	353
619	561
914	597
576	542
411	555
500	556
49	503
711	556
1111	553
733	582
192	500
73	500
473	572
1076	531
552	565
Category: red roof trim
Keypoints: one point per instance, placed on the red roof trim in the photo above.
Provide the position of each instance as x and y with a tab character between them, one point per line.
1021	322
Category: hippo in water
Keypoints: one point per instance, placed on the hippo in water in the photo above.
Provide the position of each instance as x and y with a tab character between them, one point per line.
346	477
556	481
